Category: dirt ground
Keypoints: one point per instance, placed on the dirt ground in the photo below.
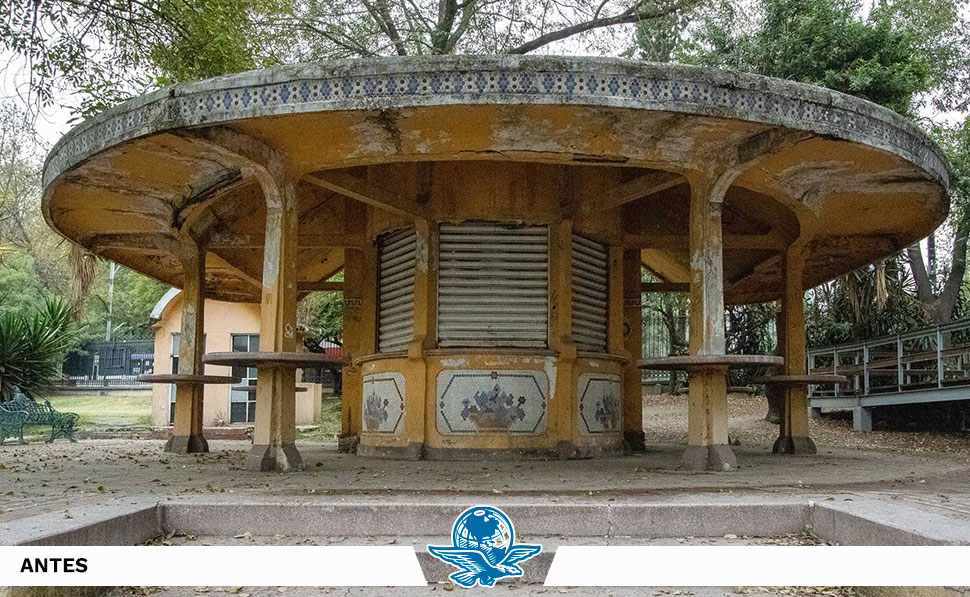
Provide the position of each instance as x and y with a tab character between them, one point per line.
516	590
926	469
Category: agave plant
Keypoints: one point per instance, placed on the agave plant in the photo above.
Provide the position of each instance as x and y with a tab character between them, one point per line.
32	347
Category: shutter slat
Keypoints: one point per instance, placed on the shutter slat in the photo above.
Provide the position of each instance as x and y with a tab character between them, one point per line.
396	262
493	286
590	265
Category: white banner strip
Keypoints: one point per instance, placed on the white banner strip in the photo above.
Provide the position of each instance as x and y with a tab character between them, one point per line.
673	566
197	566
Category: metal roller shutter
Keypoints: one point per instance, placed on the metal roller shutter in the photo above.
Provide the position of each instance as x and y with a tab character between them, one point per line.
395	321
493	286
590	293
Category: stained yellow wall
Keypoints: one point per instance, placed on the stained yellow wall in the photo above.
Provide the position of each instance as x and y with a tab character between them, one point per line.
498	192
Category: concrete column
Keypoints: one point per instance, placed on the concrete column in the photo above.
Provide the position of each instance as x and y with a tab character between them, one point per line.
793	434
561	335
862	419
351	382
418	421
632	348
187	434
707	433
274	436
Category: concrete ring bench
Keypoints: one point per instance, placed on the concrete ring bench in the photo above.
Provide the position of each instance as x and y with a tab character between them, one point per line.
279	360
688	362
252	389
802	380
182	378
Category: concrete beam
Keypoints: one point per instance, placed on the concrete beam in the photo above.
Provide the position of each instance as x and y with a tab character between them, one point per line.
230	240
321	286
771	241
139	241
638	188
363	191
664	287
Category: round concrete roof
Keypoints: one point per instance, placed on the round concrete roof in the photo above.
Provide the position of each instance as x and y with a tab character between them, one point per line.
849	180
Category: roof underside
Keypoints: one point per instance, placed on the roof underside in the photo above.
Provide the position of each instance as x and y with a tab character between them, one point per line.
127	185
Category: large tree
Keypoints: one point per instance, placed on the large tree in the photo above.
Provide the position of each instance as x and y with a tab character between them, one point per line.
108	50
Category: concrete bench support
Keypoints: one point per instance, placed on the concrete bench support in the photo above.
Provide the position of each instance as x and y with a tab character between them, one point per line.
793	434
707	418
187	432
862	418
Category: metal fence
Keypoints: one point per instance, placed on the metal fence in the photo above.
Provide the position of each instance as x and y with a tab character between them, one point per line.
111	382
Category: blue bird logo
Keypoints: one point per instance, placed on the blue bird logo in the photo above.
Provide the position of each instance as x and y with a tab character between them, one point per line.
483	546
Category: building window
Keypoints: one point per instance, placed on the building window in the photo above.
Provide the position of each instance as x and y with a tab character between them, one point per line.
493	285
176	345
590	293
242	403
397	254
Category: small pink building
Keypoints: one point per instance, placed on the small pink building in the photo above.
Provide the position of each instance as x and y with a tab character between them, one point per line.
228	327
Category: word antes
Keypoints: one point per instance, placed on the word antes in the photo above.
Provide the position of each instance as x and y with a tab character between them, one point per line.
55	565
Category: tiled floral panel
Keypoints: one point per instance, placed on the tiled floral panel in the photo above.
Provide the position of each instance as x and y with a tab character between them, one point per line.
382	410
471	401
599	403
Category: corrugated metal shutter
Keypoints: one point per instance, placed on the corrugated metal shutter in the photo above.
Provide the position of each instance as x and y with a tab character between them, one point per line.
395	322
590	293
493	286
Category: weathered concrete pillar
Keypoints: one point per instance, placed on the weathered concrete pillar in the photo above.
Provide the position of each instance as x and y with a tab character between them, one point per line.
187	433
561	333
633	347
274	436
793	434
360	324
419	423
707	433
862	419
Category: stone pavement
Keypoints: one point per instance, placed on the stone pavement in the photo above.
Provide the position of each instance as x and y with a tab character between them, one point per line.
40	478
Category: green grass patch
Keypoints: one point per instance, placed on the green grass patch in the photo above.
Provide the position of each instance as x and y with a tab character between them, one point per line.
115	409
330	413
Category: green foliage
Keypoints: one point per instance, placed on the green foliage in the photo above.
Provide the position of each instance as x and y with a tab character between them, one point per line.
880	57
21	290
322	314
849	310
109	50
216	37
955	142
33	346
134	297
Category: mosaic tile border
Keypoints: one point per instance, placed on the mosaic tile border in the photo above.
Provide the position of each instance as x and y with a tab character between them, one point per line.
393	83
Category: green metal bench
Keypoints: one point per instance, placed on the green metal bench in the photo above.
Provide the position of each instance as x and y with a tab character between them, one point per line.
24	411
11	423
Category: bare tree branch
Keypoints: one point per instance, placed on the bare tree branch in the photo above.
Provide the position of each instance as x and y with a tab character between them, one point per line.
634	14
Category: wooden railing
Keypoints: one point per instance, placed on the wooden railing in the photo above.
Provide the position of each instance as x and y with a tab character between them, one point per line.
929	358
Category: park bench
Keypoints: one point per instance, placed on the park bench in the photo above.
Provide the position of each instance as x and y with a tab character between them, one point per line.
24	411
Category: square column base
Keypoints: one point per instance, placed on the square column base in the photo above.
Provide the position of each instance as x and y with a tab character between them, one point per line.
187	444
794	445
636	440
347	444
283	457
717	457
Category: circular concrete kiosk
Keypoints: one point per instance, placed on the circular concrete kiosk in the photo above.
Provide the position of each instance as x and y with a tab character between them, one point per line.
491	216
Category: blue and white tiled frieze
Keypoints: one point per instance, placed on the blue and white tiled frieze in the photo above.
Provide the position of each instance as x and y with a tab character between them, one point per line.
471	402
382	406
426	81
600	409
